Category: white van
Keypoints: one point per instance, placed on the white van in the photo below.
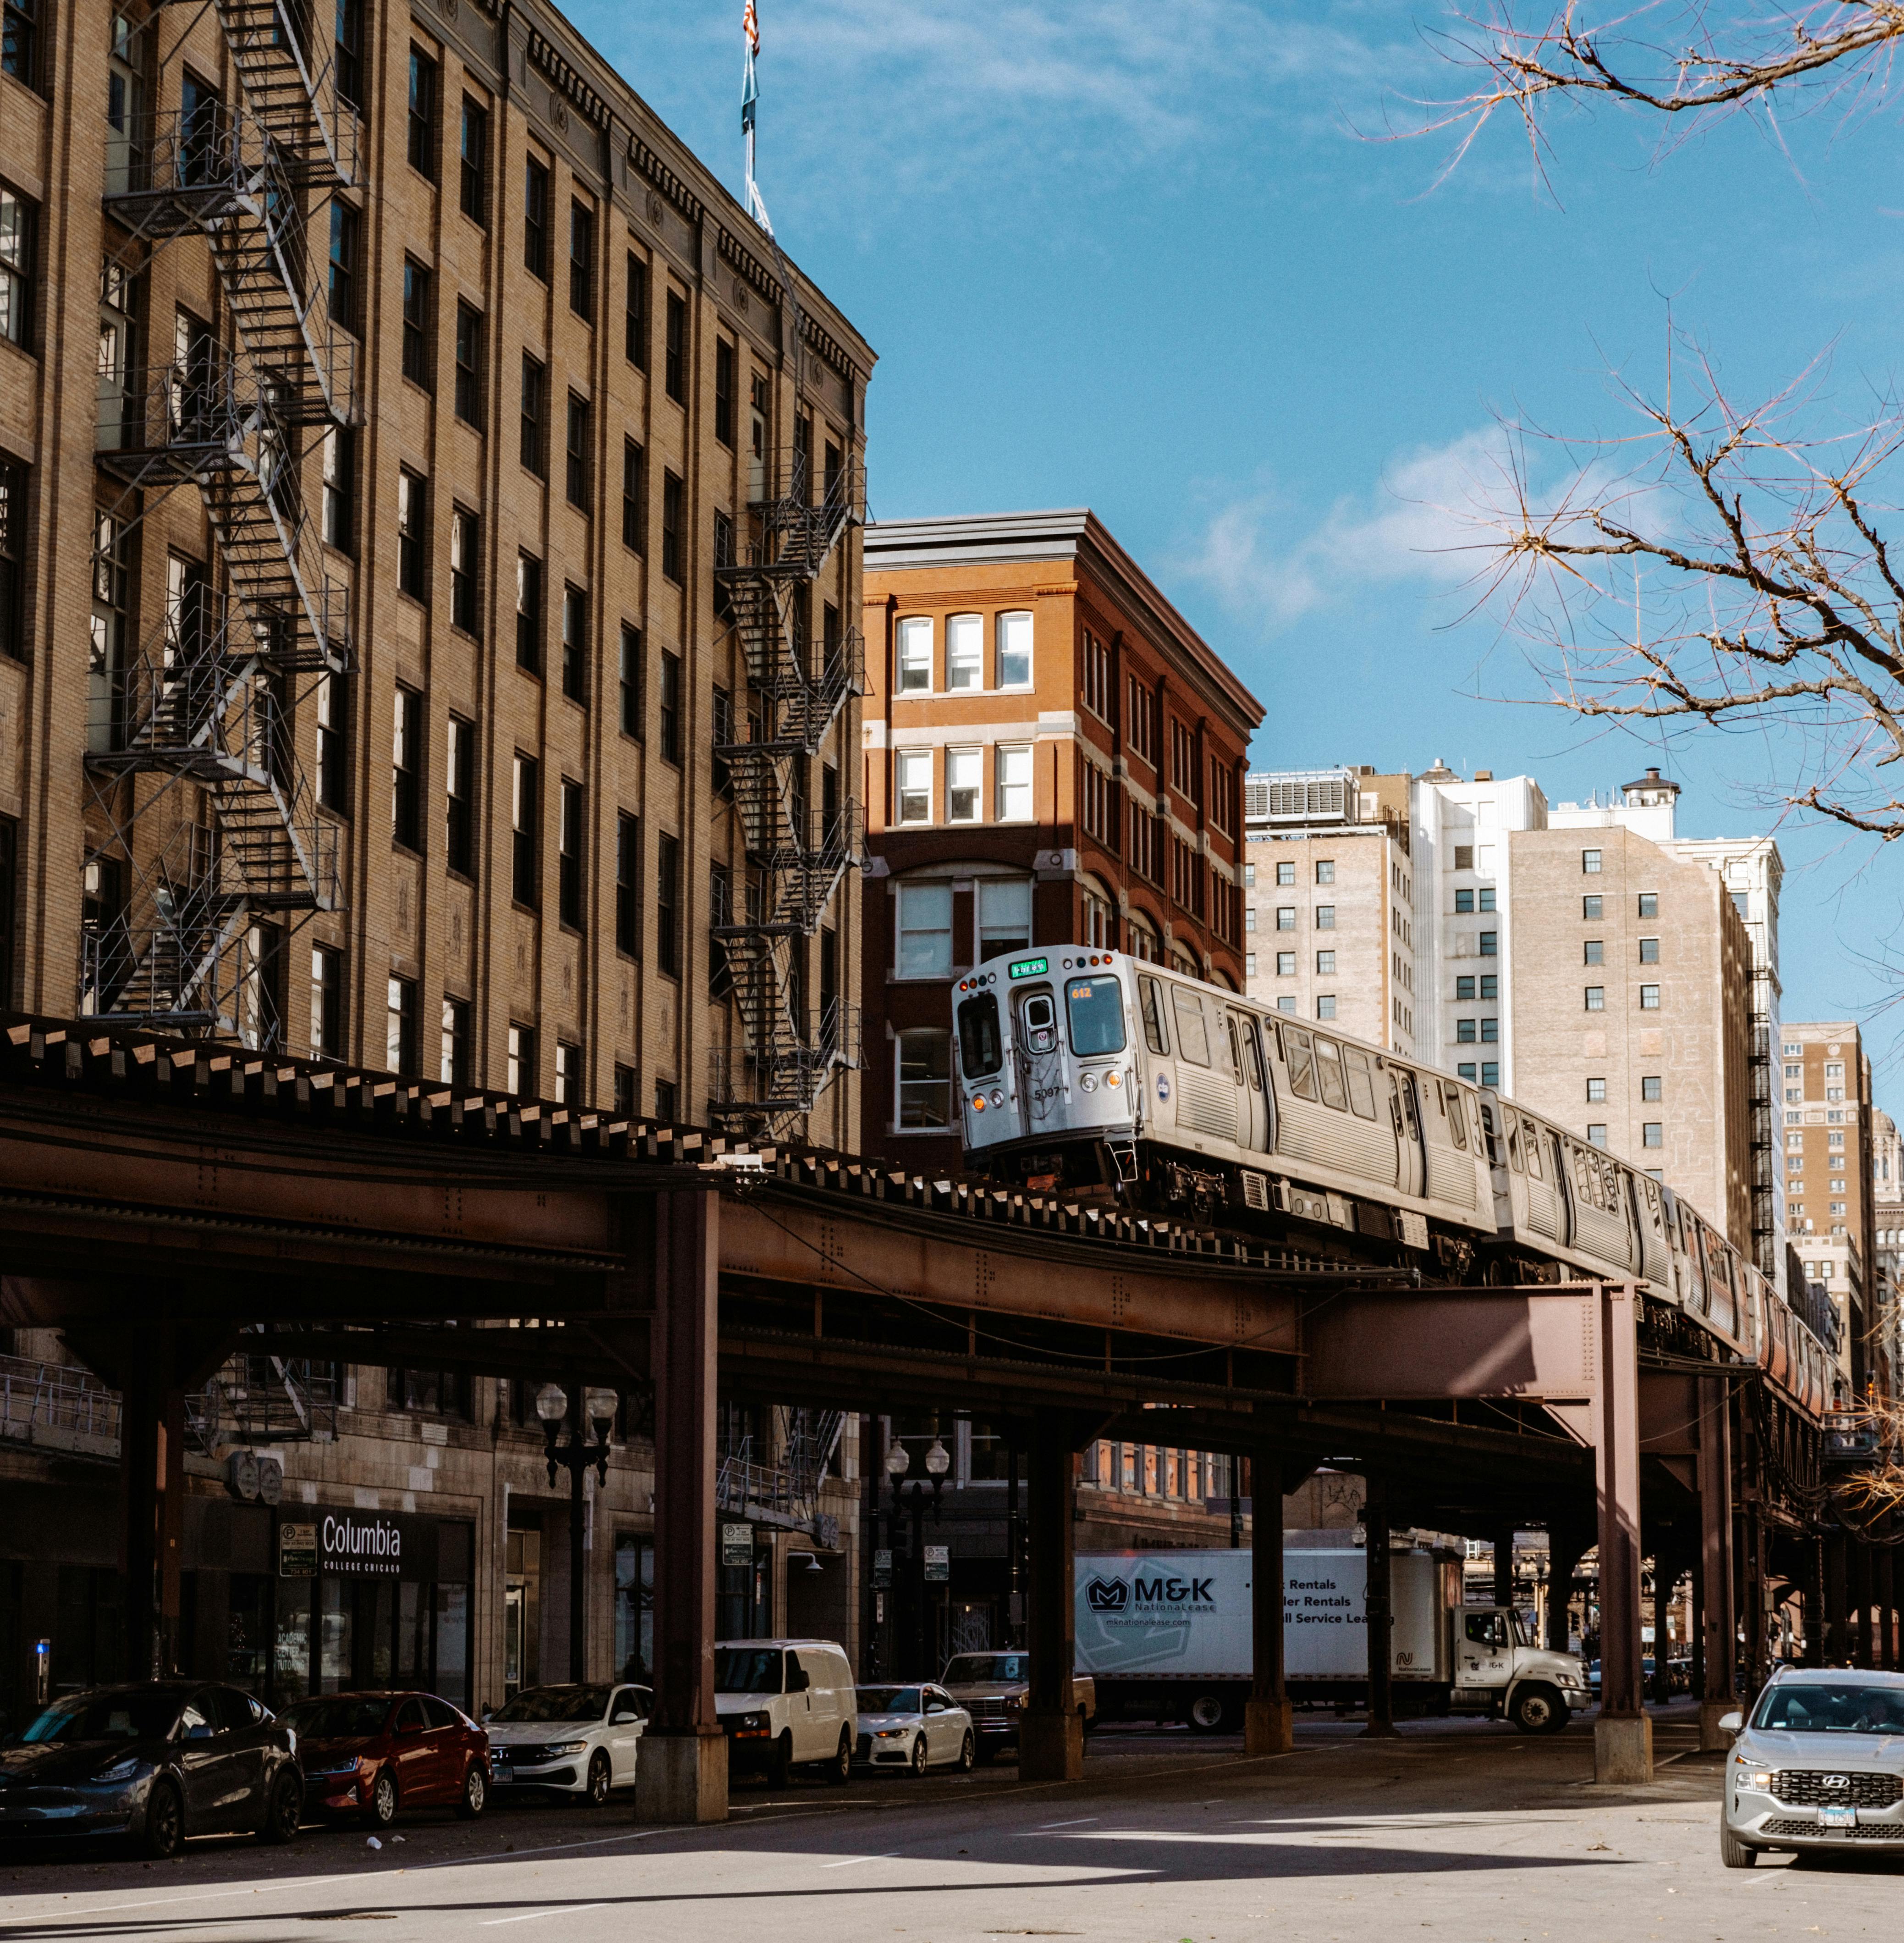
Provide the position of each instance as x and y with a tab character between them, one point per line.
786	1703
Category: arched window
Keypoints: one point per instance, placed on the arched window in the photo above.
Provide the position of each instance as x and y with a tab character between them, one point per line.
915	656
964	653
1014	662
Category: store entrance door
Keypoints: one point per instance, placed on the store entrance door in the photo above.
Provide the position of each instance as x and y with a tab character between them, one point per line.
522	1610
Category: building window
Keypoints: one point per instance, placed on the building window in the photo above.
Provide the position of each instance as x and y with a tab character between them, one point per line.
459	817
406	769
465	563
1324	962
578	451
20	42
416	322
519	1076
925	916
668	904
670	707
535	219
925	1079
1595	949
575	644
1589	862
1653	1135
1463	903
1286	964
1649	951
1289	1005
1015	657
412	534
1249	917
534	417
627	884
964	784
1595	1092
346	231
340	487
1326	872
1005	916
567	1074
1464	1032
1326	1005
1650	1086
1014	774
333	770
475	152
528	613
914	656
1596	997
1464	856
469	365
1490	985
581	260
1597	1134
1649	904
1325	917
1465	1071
631	682
1490	944
525	826
672	567
913	784
631	518
964	653
1490	1073
1250	965
400	1028
1464	988
1649	998
634	338
423	113
453	1057
326	1002
1285	873
568	857
1486	895
1100	925
725	380
1590	909
674	376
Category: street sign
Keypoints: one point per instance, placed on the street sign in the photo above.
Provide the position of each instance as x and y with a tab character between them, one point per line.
297	1551
736	1544
938	1563
882	1566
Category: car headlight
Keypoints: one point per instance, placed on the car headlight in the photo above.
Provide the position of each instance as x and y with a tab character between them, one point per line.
1013	1703
891	1733
121	1770
568	1748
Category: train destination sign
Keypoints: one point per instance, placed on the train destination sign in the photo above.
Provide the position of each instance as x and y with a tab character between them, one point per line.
1027	968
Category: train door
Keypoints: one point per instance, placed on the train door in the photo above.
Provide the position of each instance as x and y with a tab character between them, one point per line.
1040	1057
1252	1090
1405	1112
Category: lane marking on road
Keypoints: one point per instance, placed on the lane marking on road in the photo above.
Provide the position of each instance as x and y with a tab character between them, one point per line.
1078	1823
851	1861
567	1909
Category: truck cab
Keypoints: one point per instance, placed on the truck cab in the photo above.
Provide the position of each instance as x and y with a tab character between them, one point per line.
1499	1666
995	1688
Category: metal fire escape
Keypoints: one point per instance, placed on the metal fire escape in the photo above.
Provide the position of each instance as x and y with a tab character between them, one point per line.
202	712
796	855
1760	1091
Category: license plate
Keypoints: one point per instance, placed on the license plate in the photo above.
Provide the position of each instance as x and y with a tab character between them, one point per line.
1838	1818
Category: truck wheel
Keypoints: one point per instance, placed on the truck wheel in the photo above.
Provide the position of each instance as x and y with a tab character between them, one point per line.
1538	1709
1206	1714
779	1765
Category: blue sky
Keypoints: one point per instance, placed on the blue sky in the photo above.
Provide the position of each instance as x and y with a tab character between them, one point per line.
1153	258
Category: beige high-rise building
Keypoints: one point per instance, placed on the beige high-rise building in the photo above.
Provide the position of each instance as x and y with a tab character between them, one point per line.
1631	976
1830	1151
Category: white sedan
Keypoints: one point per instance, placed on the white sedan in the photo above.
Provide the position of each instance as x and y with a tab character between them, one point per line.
576	1740
914	1728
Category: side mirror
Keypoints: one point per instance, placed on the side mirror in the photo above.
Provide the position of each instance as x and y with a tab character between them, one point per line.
1731	1723
799	1680
623	1716
199	1730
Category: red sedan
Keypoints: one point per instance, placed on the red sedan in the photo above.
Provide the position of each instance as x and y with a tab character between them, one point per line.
369	1754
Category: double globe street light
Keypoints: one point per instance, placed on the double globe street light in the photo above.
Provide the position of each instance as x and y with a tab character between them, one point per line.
938	1462
594	1408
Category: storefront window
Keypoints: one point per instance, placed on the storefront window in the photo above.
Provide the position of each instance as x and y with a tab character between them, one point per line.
291	1648
634	1608
247	1632
335	1613
452	1644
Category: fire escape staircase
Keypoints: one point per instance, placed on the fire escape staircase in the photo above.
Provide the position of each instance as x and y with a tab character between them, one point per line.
209	698
796	856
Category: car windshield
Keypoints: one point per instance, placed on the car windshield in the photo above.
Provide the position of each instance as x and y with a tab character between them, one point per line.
971	1669
131	1714
1831	1707
556	1703
747	1669
889	1699
337	1717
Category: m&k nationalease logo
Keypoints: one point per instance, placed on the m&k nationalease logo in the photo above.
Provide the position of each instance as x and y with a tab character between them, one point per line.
1107	1595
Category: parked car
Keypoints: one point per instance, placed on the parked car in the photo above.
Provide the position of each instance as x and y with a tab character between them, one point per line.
1818	1764
578	1740
914	1728
786	1703
370	1753
155	1762
994	1687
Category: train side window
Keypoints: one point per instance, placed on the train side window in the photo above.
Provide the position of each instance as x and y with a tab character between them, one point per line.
1235	1050
980	1053
1513	1138
1192	1031
1252	1054
1580	1176
1534	1142
1296	1046
1157	1034
1490	1140
1361	1083
1457	1119
1328	1074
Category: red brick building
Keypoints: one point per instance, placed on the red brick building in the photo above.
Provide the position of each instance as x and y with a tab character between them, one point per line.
1051	755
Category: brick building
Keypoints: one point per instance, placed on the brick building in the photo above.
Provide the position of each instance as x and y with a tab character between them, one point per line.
1052	756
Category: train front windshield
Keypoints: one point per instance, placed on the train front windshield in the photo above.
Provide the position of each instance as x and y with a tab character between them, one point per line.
1096	1007
981	1052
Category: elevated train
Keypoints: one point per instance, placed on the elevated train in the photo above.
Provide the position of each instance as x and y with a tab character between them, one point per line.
1090	1072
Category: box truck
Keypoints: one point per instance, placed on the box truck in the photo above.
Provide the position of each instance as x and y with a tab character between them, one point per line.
1166	1635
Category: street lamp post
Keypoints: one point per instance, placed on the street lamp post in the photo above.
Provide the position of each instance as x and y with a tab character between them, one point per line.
593	1407
938	1462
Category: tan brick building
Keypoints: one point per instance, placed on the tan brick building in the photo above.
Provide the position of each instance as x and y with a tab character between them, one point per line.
1631	974
366	661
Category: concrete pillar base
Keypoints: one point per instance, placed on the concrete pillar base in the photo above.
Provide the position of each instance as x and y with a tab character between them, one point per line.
1268	1727
1712	1740
1622	1750
681	1777
1050	1747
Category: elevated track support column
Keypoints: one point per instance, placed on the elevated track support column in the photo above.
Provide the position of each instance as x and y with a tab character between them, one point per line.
1379	1603
1719	1689
682	1775
1623	1736
1051	1734
1268	1727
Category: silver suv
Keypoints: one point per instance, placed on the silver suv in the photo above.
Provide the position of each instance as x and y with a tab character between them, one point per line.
1820	1765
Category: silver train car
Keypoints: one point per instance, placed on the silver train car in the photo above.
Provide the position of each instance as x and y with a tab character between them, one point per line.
1091	1073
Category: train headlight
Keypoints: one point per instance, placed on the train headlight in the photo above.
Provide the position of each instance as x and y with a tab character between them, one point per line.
998	1097
1088	1081
978	1103
1113	1079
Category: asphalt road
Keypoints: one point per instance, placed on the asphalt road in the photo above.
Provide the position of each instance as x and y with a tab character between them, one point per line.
1468	1829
